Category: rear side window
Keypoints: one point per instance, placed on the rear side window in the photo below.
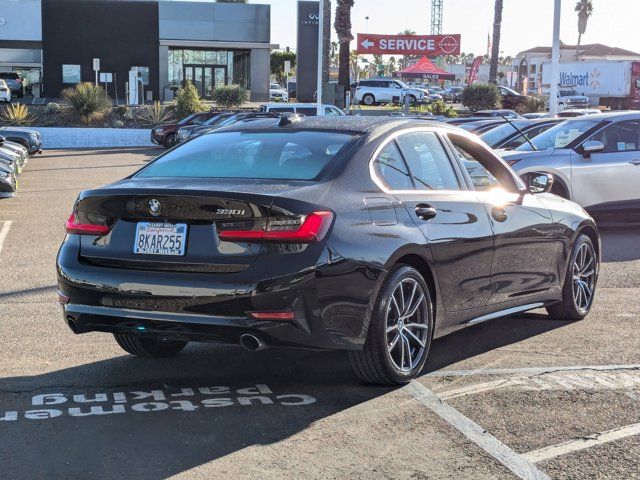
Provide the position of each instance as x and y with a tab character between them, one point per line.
298	155
282	109
307	111
428	161
391	169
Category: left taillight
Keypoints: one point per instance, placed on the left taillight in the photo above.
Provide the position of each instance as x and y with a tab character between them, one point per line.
73	226
292	229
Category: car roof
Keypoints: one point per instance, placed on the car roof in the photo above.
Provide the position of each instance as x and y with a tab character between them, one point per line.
358	124
296	105
611	116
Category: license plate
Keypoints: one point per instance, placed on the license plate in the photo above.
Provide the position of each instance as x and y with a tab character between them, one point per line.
160	238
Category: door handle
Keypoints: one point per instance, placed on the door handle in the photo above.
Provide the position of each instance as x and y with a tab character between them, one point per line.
425	212
635	162
499	214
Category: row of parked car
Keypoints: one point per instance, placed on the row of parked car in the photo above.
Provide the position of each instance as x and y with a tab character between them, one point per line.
592	158
16	145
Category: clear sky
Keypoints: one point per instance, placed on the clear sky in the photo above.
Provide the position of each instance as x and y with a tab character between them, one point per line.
526	23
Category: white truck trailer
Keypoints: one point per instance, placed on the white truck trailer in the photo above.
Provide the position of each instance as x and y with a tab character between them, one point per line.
609	83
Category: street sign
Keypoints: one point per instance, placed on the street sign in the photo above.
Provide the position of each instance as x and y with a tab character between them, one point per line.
106	77
429	45
287	67
96	64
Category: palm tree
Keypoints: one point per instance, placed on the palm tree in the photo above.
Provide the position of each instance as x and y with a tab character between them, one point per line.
334	54
404	63
342	24
326	41
584	8
495	45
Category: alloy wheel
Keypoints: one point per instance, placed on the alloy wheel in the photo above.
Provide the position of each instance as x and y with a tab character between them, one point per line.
407	326
584	277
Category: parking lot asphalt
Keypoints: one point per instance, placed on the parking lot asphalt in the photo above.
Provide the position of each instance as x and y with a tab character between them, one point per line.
520	397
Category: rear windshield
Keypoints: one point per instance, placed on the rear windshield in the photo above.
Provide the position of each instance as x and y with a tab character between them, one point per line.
300	155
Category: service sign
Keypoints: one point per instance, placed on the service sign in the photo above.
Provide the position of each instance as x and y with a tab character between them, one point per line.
429	45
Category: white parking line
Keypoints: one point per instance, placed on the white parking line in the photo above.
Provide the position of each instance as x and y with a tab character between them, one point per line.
581	443
529	370
520	466
4	232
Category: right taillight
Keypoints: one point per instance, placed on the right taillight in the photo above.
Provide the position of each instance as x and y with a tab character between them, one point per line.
73	226
295	229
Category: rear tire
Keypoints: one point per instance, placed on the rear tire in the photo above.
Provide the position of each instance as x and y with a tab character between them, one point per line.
580	281
401	319
369	100
150	347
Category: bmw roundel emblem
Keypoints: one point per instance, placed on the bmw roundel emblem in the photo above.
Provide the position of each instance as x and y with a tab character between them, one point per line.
154	207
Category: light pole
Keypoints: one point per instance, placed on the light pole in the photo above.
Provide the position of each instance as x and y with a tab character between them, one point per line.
367	20
555	60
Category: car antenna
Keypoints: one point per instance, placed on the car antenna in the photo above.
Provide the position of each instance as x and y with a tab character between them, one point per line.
518	130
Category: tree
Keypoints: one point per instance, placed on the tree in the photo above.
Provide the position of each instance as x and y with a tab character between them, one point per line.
333	54
495	46
404	63
277	63
584	8
343	29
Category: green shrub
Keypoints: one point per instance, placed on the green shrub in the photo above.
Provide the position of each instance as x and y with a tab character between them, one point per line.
229	96
440	107
154	114
118	124
531	105
52	108
188	100
481	97
87	100
16	114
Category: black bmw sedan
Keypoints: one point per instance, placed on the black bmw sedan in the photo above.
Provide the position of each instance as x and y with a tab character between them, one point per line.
371	235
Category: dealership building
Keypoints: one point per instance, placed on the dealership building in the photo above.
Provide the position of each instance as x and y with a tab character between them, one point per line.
53	45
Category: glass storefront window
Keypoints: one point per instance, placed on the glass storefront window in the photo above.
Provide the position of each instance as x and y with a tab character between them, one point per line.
208	68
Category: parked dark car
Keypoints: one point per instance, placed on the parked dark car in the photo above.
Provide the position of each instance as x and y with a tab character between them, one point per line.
222	121
167	134
510	98
14	82
29	139
8	182
500	113
452	94
367	234
480	126
511	135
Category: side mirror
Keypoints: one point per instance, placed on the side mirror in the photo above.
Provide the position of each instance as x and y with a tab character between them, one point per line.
591	146
540	182
2	140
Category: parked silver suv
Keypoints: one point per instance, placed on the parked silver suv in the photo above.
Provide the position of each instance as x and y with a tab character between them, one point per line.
594	159
384	90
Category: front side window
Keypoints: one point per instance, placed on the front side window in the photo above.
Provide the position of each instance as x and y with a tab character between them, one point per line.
428	161
301	155
391	169
620	136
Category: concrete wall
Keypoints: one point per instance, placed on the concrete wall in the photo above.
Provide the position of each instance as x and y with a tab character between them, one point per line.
215	22
20	20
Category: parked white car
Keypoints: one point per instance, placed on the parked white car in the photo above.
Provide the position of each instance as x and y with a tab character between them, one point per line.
5	91
373	91
277	93
307	109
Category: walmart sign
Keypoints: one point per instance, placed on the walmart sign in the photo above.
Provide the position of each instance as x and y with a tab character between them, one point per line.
570	79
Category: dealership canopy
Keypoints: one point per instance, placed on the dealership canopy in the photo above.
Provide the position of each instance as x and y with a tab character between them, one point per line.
425	68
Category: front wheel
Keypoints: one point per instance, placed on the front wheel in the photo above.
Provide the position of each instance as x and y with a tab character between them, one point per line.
150	347
368	99
400	330
579	286
171	140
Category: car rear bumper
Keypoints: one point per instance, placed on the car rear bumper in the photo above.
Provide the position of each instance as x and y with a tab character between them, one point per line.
211	307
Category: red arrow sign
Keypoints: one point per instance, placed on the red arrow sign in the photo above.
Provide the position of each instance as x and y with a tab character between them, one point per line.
429	45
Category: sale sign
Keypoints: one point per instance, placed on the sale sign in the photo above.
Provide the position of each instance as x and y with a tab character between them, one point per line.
429	45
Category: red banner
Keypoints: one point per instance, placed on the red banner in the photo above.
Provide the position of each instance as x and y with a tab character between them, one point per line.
429	45
473	73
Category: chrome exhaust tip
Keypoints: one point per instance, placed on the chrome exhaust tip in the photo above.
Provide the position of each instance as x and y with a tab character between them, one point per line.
252	343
